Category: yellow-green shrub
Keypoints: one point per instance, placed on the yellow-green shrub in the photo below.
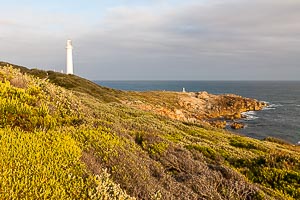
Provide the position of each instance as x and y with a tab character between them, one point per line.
101	140
43	165
40	166
40	105
39	158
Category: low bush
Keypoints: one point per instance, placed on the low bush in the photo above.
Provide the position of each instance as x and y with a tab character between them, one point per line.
64	139
206	151
276	140
279	171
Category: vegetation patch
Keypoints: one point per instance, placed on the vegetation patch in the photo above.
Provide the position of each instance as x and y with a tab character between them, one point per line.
240	142
56	142
206	151
154	145
40	157
43	165
101	140
279	171
277	140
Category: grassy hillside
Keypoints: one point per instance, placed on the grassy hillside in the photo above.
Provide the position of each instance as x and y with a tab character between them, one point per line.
40	159
71	141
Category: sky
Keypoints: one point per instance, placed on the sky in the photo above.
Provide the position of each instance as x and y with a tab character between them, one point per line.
156	39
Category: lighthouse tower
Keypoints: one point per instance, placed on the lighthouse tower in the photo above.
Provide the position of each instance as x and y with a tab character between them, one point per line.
69	48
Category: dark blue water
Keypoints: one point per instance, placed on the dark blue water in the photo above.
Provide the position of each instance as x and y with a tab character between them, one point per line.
281	119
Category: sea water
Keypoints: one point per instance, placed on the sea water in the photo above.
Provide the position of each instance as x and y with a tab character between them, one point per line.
280	119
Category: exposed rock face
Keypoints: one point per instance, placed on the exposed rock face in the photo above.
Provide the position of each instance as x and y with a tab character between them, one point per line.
203	107
236	125
223	107
218	123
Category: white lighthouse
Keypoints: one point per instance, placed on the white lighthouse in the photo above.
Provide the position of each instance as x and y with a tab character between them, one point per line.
69	48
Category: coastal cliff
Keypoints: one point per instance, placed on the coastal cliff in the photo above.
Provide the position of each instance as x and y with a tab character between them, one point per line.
200	107
84	141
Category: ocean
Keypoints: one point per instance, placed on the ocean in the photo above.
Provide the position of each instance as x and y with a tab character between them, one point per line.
281	119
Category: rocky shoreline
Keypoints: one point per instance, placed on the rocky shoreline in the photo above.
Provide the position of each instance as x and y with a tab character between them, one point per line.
193	107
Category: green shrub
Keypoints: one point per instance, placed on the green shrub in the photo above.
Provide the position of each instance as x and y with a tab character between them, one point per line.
206	151
40	166
242	143
100	140
39	105
40	157
279	171
157	148
276	140
154	145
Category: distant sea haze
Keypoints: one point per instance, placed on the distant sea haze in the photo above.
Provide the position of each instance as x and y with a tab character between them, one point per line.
280	119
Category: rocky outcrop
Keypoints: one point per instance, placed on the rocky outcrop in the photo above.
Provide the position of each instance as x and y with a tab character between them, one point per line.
236	125
227	106
218	123
216	109
202	107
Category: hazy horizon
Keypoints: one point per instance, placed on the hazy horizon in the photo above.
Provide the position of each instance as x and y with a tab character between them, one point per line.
199	80
197	40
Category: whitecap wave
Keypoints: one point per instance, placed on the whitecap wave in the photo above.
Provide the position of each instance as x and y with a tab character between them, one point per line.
298	105
272	106
250	115
277	105
268	108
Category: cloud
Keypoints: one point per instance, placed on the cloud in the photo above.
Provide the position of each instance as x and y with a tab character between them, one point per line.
228	39
213	25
